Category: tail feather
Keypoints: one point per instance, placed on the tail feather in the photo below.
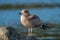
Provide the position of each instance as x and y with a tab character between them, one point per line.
44	27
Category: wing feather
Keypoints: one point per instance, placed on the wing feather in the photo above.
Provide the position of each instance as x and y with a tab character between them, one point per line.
34	20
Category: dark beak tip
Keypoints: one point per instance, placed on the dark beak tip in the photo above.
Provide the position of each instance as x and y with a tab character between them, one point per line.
19	13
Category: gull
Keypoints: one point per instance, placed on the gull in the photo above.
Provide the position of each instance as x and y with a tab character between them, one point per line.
30	21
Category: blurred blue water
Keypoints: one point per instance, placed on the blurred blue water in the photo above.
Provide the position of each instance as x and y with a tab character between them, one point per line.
12	17
28	1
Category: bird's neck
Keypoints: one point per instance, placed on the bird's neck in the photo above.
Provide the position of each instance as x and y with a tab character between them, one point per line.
26	15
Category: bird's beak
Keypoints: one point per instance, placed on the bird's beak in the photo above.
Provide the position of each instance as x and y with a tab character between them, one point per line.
19	13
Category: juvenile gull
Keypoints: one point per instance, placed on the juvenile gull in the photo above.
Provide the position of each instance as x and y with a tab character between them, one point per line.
30	21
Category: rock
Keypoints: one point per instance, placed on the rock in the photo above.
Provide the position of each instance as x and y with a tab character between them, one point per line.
10	33
3	32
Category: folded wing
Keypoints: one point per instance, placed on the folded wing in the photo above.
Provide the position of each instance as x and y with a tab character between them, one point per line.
34	20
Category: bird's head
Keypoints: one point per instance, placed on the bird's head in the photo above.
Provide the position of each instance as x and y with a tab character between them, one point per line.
24	12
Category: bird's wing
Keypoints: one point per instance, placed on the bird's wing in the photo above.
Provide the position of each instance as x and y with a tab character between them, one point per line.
34	19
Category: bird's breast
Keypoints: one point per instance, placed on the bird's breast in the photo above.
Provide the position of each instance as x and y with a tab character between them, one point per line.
24	21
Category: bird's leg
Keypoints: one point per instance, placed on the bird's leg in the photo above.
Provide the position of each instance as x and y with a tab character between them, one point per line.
30	31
